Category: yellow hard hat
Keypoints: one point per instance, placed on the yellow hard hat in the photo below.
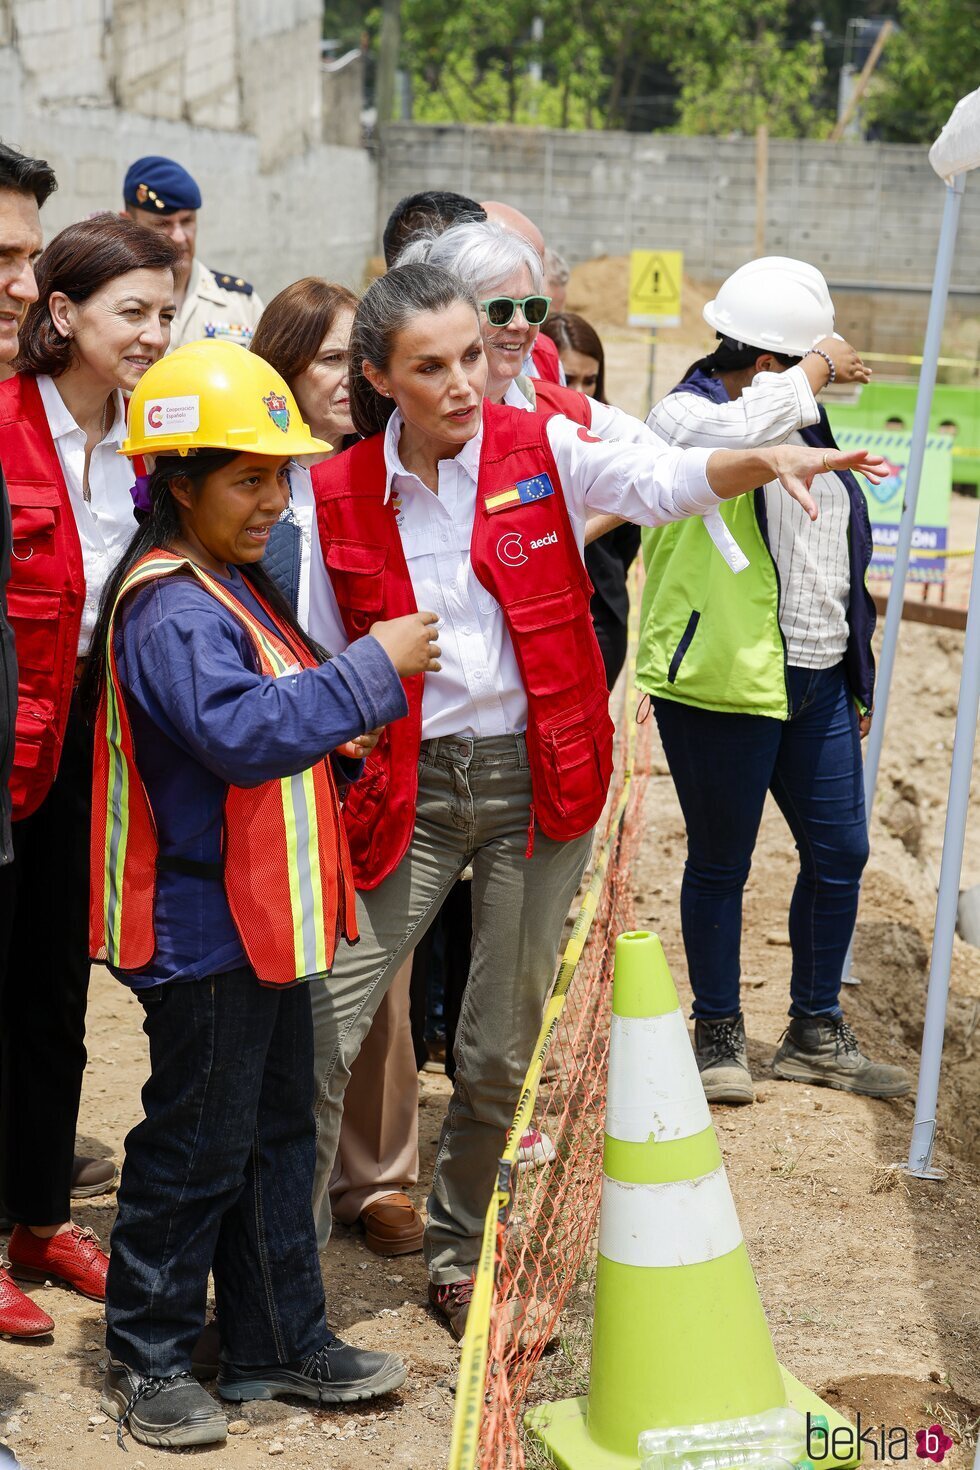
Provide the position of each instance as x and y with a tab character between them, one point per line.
216	395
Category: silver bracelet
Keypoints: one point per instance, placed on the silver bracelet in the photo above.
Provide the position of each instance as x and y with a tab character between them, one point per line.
819	352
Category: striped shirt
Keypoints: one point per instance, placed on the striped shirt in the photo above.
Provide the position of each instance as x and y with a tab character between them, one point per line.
811	557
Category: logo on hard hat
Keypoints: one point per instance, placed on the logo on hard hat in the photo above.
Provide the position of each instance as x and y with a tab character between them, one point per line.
278	410
172	415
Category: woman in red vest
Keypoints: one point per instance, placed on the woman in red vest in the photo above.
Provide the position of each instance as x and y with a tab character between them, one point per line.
103	316
305	335
221	878
478	511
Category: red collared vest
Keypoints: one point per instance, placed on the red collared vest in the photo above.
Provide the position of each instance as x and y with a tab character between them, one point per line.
285	861
523	551
556	398
46	592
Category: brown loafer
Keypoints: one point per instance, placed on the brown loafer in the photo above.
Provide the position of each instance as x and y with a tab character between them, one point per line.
392	1226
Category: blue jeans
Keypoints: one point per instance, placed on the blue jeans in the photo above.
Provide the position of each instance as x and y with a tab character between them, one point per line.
723	765
218	1177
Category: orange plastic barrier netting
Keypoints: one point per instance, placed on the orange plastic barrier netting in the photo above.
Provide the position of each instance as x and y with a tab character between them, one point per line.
541	1220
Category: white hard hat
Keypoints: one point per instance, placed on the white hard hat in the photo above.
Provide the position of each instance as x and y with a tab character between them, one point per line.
774	303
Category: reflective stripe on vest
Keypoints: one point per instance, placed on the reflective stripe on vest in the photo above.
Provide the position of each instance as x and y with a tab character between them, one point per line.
282	837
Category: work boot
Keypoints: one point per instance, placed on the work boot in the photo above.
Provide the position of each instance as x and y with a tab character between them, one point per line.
165	1412
335	1374
719	1047
824	1050
451	1300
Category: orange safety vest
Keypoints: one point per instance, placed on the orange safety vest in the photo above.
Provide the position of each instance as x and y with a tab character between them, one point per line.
286	864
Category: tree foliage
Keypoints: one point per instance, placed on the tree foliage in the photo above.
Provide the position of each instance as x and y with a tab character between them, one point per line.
728	64
926	68
715	67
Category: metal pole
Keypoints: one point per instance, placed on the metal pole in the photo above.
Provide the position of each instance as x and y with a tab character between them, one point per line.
651	368
388	47
913	476
964	742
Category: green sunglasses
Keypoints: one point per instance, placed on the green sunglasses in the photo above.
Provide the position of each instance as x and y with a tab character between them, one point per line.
500	309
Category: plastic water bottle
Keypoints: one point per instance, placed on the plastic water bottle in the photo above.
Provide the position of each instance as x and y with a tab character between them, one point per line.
719	1459
766	1441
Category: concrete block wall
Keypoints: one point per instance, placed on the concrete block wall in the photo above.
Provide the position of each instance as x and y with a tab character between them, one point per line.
62	47
862	212
269	214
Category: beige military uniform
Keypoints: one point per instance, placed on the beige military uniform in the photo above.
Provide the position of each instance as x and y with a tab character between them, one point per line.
216	306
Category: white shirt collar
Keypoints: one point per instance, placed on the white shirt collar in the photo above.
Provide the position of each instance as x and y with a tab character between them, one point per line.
468	457
60	421
515	397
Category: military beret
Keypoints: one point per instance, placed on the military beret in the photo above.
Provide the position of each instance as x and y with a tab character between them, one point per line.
160	185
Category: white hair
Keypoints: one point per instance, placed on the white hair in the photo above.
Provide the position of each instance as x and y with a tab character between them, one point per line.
556	268
481	253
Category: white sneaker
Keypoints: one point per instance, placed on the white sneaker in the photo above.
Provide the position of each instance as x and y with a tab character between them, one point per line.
536	1149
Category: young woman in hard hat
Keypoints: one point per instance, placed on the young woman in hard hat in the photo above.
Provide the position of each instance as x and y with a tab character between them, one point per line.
762	680
221	878
504	761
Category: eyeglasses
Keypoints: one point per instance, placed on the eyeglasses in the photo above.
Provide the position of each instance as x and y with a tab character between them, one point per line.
500	309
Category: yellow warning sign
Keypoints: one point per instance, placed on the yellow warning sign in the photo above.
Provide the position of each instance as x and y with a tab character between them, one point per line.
655	288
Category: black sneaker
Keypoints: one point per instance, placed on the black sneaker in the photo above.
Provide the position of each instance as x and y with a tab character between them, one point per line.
719	1048
167	1413
336	1374
824	1050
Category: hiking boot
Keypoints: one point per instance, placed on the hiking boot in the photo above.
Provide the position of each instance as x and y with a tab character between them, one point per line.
824	1050
452	1301
167	1413
719	1048
335	1374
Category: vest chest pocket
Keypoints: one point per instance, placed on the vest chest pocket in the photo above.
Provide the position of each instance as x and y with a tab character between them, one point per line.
543	641
357	571
34	512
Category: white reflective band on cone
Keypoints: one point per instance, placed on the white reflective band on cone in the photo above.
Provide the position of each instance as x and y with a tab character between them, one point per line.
654	1087
677	1224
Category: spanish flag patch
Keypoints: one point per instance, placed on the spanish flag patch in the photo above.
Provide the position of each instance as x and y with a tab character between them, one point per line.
525	492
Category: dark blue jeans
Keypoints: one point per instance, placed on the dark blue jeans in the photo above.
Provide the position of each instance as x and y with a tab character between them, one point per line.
219	1177
722	766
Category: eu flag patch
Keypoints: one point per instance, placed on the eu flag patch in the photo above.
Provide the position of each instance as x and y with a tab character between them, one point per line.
539	487
525	492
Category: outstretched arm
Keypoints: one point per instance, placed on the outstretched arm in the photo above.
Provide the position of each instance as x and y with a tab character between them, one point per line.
732	472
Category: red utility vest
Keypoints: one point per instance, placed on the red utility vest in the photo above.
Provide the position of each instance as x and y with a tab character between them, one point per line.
46	592
547	359
286	867
523	551
555	398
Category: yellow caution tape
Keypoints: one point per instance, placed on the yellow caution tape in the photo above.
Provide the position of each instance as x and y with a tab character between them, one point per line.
931	551
468	1415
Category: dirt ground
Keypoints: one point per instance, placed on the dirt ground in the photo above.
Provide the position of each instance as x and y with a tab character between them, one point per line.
868	1277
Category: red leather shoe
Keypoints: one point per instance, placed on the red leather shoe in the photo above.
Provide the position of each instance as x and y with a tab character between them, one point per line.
19	1317
73	1257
